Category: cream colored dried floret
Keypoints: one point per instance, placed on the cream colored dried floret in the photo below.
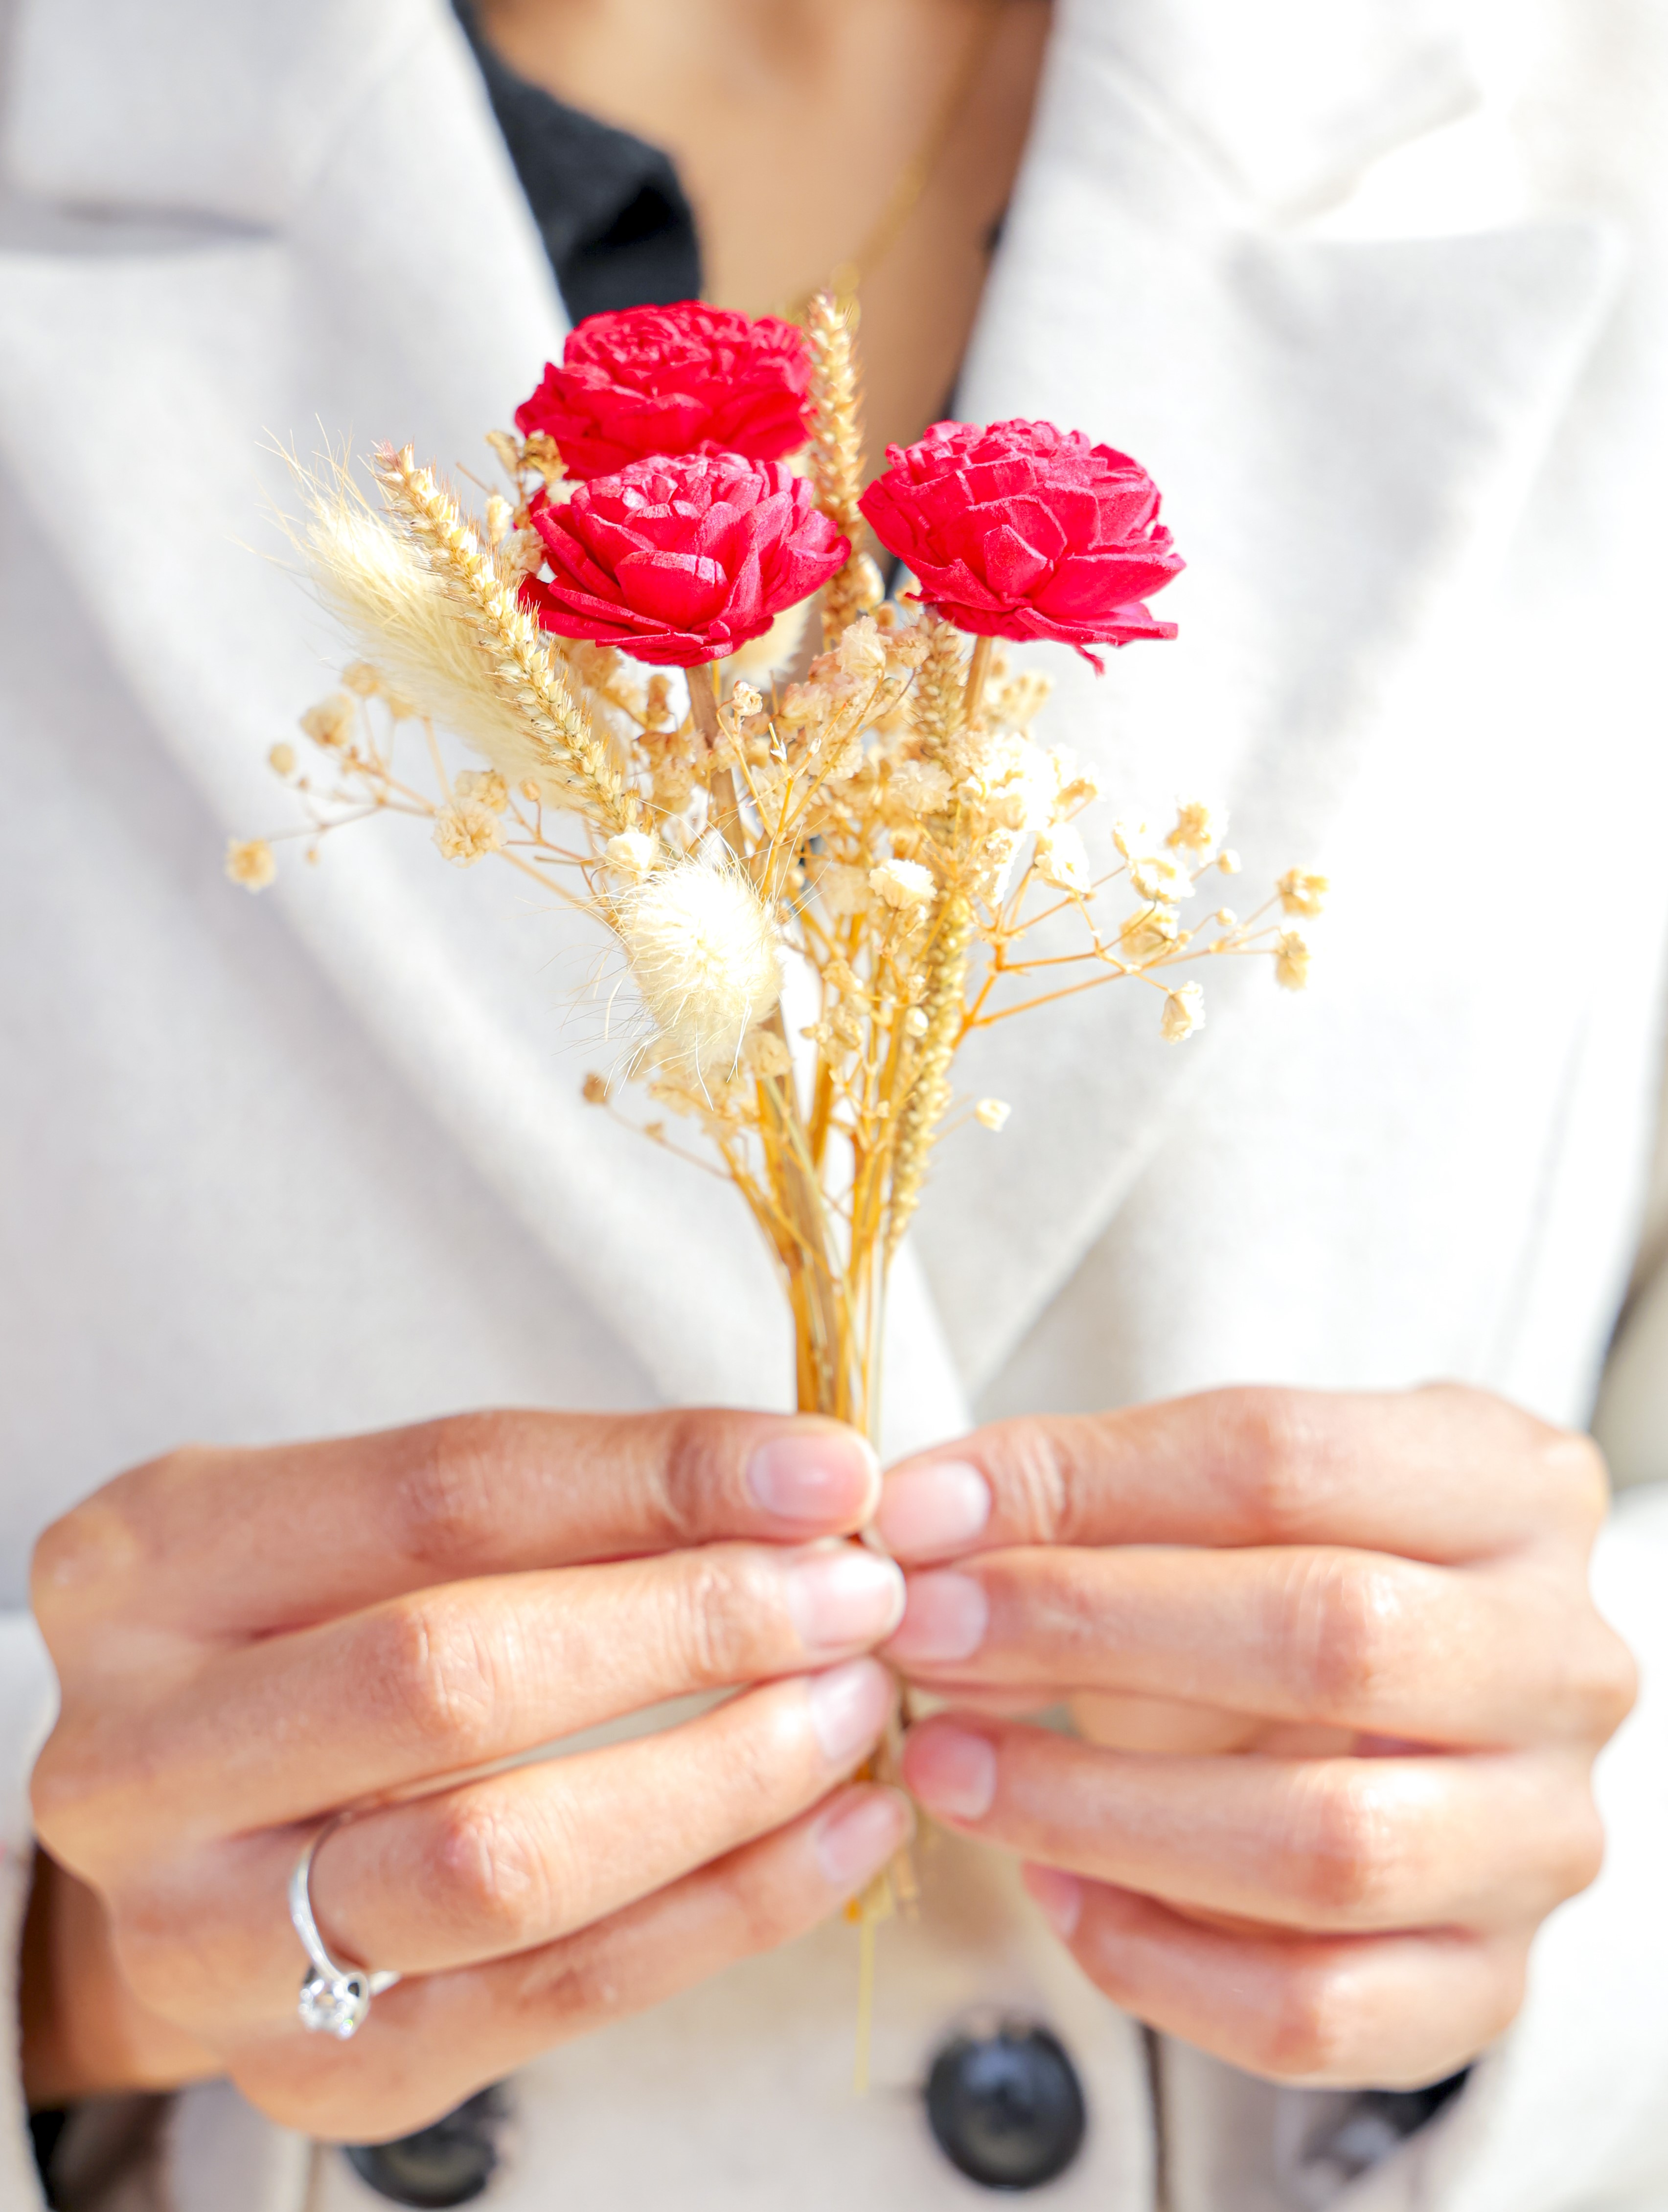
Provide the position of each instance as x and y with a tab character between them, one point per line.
282	759
862	650
633	853
362	680
1184	1013
903	885
466	832
1160	876
1152	931
1291	960
1229	861
485	785
1198	829
992	1114
843	891
1062	860
766	1054
330	723
918	788
1302	893
249	861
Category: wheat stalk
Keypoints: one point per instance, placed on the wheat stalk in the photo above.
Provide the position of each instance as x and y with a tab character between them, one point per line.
836	460
929	1093
519	661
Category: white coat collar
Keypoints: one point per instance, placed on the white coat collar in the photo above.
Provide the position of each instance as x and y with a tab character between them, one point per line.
1333	426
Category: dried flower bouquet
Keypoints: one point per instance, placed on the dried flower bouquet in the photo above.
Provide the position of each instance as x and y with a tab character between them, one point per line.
887	825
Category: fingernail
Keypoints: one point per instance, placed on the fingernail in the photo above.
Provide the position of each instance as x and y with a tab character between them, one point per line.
815	1478
952	1771
849	1705
845	1596
944	1618
861	1833
928	1509
1060	1895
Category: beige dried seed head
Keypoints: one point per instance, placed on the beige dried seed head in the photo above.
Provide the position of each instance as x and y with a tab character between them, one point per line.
249	861
904	886
467	831
1184	1013
1291	960
706	957
1302	893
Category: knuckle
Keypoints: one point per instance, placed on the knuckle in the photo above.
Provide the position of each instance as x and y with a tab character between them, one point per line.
1345	1852
1578	1856
64	1790
431	1670
715	1613
1344	1622
487	1873
1600	1681
444	1498
1045	1472
690	1484
1579	1474
1278	1456
1309	2032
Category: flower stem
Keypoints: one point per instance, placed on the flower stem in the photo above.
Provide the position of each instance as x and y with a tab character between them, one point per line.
977	669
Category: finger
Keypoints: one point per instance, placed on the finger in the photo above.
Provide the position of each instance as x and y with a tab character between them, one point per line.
1319	1844
495	1866
236	1544
429	2044
1352	1639
442	1680
1445	1473
1343	2012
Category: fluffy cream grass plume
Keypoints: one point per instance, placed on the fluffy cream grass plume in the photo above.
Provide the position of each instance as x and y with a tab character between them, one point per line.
706	957
427	640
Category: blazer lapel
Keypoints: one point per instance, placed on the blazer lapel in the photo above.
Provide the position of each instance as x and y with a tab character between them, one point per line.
1343	433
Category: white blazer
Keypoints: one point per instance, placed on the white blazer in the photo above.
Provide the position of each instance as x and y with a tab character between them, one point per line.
1379	290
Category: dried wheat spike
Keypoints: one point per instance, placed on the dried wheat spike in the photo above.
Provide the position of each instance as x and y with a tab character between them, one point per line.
837	462
509	638
939	690
929	1089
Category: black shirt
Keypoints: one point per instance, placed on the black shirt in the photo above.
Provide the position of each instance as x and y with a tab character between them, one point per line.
615	219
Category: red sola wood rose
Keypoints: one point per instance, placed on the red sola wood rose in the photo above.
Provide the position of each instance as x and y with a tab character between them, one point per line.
682	560
1019	530
682	379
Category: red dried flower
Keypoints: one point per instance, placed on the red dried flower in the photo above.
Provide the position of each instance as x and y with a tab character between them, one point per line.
688	379
1019	530
682	560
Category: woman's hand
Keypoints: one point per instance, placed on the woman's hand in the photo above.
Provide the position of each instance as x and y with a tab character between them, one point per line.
1342	1685
248	1641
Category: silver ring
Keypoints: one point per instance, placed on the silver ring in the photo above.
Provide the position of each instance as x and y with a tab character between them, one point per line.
335	1999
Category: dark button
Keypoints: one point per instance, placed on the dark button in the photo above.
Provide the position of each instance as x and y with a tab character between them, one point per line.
1007	2108
450	2163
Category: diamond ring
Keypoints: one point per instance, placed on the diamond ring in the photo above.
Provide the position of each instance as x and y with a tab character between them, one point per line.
335	1999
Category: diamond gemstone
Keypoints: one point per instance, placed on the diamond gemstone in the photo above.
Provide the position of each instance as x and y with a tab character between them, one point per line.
334	2004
